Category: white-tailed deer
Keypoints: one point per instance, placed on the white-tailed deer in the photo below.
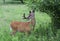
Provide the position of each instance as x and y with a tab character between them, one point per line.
22	26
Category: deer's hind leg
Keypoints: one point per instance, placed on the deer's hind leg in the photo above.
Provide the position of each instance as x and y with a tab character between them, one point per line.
13	32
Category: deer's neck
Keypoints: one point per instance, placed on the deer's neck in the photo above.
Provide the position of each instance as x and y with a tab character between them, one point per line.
33	21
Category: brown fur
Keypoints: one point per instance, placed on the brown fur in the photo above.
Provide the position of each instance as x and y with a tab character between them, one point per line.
20	26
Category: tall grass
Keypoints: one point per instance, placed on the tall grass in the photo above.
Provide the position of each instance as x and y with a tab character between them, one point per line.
10	13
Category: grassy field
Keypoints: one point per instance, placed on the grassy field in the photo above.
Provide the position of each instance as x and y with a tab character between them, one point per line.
10	13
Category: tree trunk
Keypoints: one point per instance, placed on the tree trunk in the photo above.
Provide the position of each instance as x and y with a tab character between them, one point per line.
4	1
22	1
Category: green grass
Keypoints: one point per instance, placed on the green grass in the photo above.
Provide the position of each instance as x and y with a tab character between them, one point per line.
10	13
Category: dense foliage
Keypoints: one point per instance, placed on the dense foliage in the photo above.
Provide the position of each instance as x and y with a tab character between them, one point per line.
52	7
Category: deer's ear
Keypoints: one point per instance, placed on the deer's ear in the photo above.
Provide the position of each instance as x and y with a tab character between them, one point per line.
33	11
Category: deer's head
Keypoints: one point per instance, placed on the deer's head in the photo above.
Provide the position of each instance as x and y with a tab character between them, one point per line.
31	14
